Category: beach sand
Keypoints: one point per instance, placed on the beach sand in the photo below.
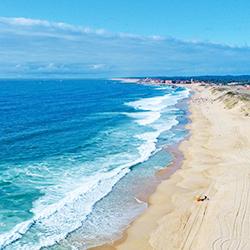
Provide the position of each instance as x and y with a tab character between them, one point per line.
216	164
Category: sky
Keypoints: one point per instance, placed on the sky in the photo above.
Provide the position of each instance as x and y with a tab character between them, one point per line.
95	38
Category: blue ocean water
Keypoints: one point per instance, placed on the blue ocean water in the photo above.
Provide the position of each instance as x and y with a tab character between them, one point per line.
70	149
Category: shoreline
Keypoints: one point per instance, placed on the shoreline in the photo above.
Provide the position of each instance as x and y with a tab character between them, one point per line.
155	211
216	164
160	176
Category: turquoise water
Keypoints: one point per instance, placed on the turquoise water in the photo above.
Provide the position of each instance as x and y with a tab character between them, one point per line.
70	149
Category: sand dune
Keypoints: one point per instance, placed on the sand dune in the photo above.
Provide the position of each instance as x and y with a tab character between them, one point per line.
217	164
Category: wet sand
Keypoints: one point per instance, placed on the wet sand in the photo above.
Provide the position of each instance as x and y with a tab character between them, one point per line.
216	164
161	175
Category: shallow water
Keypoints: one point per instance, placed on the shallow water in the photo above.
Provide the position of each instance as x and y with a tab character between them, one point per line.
70	149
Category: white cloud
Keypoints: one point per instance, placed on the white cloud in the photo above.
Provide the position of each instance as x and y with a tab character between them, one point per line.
97	66
23	21
157	38
32	47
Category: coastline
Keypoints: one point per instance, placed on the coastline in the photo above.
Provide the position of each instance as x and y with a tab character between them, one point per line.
110	213
216	164
159	176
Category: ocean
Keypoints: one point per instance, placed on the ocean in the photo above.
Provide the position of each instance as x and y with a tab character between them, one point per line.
75	156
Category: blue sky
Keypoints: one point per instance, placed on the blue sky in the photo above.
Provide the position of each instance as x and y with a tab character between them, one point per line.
115	38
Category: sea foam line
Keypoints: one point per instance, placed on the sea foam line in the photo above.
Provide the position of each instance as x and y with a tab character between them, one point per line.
99	185
52	218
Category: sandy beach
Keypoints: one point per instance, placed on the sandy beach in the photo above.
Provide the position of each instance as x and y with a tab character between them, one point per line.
217	165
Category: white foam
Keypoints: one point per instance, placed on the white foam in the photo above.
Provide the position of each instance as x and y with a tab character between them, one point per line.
15	233
165	125
154	106
58	219
144	118
55	221
139	201
158	103
150	104
150	138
